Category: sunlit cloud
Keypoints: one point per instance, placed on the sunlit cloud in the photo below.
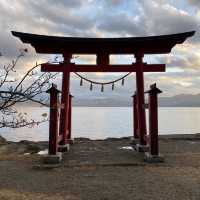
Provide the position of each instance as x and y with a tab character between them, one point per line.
112	18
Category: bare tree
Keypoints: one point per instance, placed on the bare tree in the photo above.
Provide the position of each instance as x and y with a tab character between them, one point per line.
19	90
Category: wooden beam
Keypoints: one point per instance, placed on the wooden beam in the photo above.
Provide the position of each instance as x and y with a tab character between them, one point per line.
64	111
140	99
96	68
46	67
103	59
135	117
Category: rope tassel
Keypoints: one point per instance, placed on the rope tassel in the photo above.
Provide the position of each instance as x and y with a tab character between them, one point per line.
81	82
91	86
123	81
113	86
102	88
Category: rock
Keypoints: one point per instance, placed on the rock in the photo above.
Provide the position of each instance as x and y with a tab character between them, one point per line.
82	139
25	142
30	147
11	148
33	148
197	134
2	140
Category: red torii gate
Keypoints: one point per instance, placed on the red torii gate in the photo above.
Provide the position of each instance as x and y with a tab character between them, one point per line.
103	47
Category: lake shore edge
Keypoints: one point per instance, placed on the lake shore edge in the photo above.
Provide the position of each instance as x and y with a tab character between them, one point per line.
32	147
102	169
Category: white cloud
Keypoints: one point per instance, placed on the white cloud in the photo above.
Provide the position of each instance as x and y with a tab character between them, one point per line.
113	18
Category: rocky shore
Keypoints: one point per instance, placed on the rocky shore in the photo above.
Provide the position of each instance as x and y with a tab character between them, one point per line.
102	170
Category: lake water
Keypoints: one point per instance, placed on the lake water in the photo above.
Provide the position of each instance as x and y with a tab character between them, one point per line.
103	122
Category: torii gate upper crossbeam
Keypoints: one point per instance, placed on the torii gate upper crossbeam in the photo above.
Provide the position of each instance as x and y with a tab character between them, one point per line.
47	67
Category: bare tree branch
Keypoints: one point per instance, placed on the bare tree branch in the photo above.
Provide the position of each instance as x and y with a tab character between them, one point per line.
27	88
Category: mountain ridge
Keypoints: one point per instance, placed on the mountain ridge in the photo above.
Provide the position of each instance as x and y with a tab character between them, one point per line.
180	100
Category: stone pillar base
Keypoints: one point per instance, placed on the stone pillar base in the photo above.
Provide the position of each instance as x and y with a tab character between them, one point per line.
53	159
70	141
134	141
141	148
63	148
153	158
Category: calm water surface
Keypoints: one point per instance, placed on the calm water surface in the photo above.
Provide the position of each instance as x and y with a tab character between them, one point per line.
103	122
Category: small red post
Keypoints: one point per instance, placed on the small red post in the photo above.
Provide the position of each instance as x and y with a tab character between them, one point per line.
53	121
69	118
135	116
153	119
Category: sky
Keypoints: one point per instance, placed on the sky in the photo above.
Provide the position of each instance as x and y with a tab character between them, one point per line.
108	18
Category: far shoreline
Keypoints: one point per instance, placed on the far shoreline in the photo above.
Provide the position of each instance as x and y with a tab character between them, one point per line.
195	136
108	106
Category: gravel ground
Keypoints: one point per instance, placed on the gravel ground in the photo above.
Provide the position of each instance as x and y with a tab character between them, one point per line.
101	170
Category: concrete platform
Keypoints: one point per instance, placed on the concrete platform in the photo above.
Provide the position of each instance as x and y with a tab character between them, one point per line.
52	159
102	169
153	158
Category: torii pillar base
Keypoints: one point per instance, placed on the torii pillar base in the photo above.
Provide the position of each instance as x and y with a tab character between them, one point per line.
53	159
134	141
70	141
153	158
141	148
64	148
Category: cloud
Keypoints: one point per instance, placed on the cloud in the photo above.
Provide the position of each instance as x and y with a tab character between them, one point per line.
114	2
175	83
165	19
194	2
115	26
152	18
44	17
112	18
185	57
66	3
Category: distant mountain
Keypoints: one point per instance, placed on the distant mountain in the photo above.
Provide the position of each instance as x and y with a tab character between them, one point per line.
107	102
182	100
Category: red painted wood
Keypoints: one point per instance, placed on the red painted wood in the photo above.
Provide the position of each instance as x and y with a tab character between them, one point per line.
77	45
53	122
102	59
65	102
70	117
140	98
135	115
60	138
153	119
46	67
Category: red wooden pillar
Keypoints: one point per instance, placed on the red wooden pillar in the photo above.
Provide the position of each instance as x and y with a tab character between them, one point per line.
135	117
153	119
65	100
70	118
53	122
102	59
140	99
